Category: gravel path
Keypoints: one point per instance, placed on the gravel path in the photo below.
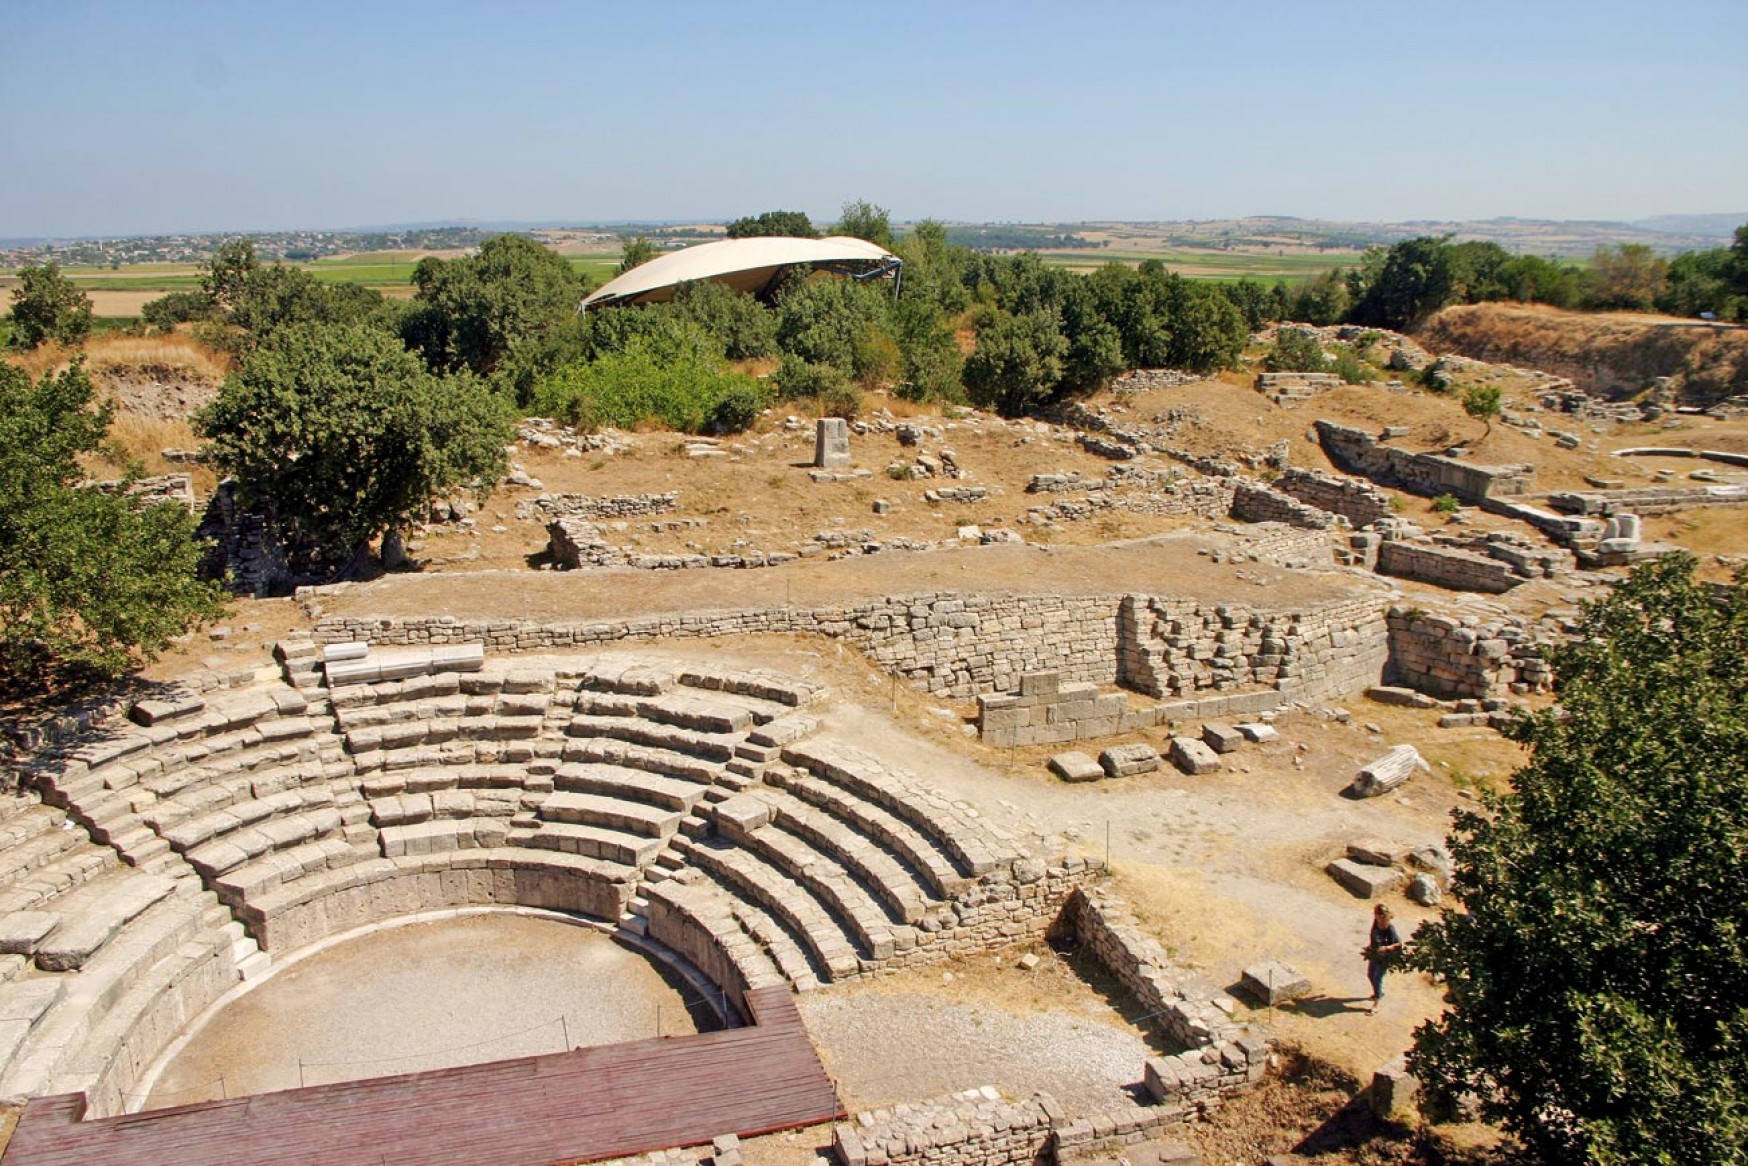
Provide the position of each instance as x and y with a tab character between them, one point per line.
901	1046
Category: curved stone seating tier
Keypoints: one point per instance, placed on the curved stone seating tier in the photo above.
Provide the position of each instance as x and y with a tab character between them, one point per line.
300	913
689	805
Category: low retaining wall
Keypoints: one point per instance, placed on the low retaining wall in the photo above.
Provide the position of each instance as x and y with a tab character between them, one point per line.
1447	567
1357	452
1648	500
1356	500
1256	502
1448	657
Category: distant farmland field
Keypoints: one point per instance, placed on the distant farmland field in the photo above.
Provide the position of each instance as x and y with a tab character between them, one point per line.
120	292
1196	263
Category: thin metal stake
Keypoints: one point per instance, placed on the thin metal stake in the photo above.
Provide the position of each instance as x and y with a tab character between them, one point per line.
566	1025
224	1094
300	1084
658	1018
1107	846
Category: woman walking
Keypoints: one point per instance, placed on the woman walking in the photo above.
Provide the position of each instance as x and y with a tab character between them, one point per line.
1385	942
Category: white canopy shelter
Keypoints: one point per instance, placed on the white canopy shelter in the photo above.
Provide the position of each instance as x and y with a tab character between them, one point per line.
746	265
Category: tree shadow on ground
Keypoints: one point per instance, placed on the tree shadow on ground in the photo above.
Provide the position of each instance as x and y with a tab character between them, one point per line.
1320	1007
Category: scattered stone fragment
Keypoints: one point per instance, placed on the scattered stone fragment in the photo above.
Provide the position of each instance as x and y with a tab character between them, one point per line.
1028	961
1393	1091
1424	889
1193	757
1387	772
1258	732
1433	860
1367	882
1076	766
1221	738
1372	852
1274	982
1129	760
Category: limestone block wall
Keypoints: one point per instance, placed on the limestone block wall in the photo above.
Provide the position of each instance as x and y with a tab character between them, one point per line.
946	643
1357	452
1648	500
1288	545
1450	567
608	507
1179	1003
1256	502
1356	500
976	1128
1175	647
1447	656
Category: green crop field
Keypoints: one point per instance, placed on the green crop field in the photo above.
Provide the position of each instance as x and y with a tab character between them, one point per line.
1196	263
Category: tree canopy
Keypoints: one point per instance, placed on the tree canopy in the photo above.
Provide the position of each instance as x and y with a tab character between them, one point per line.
473	312
791	223
1597	967
863	220
339	433
89	580
47	306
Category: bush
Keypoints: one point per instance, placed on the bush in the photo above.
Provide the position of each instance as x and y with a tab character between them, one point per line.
843	400
1017	364
1295	350
1346	364
1446	504
165	312
743	328
739	407
682	389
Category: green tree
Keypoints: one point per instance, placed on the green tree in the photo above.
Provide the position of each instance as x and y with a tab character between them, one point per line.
1295	350
636	253
1416	278
682	383
1597	966
1482	403
225	277
791	223
1017	364
1322	301
828	320
932	362
167	311
864	220
47	306
89	580
1629	276
742	327
473	312
1701	281
340	433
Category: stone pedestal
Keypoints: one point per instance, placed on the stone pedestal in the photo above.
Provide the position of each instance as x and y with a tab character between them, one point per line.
831	443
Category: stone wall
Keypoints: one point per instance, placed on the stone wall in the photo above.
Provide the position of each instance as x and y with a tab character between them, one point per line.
1183	1006
1175	647
1450	656
975	1128
1286	546
1256	502
1450	567
1357	452
1648	500
1355	499
588	506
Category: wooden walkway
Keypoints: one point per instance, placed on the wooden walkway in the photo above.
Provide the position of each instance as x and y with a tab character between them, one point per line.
591	1103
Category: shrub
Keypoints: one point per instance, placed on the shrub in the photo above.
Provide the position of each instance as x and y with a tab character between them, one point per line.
681	389
738	407
1346	364
1446	504
1295	350
844	400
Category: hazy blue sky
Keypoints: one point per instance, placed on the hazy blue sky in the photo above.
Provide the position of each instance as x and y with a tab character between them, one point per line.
146	116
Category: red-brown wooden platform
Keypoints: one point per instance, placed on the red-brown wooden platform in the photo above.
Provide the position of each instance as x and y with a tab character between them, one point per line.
591	1103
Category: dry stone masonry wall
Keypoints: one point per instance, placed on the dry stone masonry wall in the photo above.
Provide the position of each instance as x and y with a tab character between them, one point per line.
1450	656
1357	452
1360	502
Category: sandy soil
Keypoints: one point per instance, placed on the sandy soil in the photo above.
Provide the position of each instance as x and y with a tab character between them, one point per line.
427	995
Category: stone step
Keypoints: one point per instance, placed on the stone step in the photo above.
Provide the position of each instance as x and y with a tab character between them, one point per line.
41	848
402	809
941	878
697	713
777	690
72	869
444	834
596	750
245	883
902	890
614	813
196	833
771	937
653	735
780	895
924	809
850	904
94	913
236	847
617	846
708	910
426	779
629	784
